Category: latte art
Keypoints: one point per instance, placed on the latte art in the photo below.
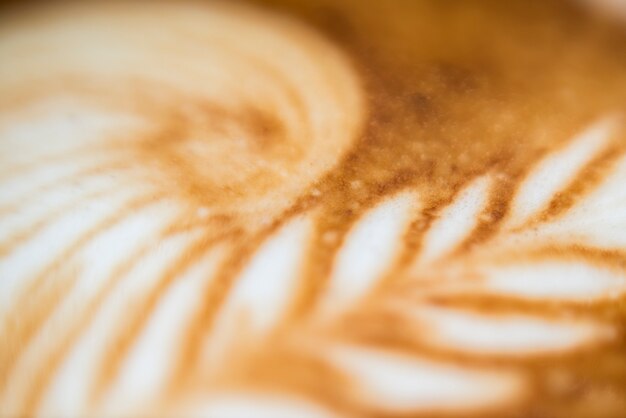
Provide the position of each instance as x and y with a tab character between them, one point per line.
185	88
305	209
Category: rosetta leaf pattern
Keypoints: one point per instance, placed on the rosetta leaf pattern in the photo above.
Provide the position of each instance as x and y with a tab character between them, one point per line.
133	289
406	379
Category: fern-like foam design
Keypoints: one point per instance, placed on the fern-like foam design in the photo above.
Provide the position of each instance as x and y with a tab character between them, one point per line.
158	254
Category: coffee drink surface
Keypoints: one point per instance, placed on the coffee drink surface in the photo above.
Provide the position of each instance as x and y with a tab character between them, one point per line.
287	208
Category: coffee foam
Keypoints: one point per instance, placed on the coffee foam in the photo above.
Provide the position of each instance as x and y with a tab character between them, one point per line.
234	212
206	85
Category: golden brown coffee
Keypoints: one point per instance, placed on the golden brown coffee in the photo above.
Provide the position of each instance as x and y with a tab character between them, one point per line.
303	208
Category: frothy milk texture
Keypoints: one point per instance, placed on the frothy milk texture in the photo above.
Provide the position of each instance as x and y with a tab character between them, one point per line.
302	208
202	85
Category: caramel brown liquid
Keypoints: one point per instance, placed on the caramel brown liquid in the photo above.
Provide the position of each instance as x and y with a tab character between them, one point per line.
443	93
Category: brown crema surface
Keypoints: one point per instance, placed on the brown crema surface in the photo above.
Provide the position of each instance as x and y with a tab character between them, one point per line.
451	90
